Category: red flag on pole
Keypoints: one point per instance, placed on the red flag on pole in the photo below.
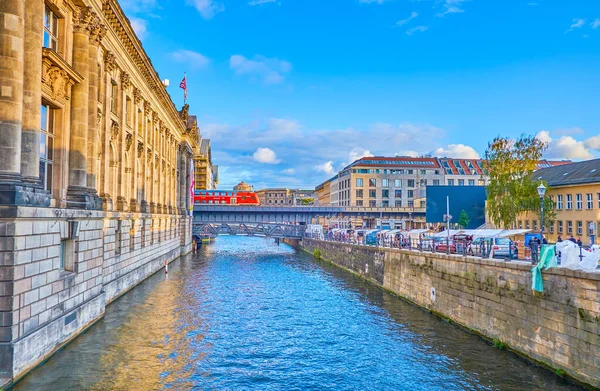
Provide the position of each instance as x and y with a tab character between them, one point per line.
183	85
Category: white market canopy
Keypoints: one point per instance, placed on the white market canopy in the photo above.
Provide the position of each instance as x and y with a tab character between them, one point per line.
483	233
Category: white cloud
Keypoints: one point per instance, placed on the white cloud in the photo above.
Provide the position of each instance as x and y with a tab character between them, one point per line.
459	151
593	143
265	155
596	23
358	153
451	7
415	29
565	147
269	70
193	59
289	171
140	26
260	2
404	21
326	167
577	23
207	8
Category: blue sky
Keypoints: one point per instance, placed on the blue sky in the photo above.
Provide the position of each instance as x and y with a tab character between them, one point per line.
290	91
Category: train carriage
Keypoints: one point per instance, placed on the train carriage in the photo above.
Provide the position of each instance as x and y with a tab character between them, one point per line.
225	197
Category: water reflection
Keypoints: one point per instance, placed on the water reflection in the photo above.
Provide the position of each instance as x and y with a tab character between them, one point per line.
247	314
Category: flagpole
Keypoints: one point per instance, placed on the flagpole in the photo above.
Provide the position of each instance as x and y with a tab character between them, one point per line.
185	91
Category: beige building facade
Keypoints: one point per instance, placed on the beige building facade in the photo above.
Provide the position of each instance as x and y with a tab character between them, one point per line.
95	172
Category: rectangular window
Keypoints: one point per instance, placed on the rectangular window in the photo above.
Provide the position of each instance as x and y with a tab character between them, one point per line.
372	203
398	183
128	112
132	236
359	182
385	182
399	203
471	182
520	224
560	227
359	202
67	254
398	193
372	182
411	204
385	204
423	172
372	193
580	228
559	202
359	193
461	182
385	193
569	227
551	228
50	29
410	172
535	225
590	200
450	182
526	224
46	147
118	238
590	231
598	200
569	201
411	183
113	97
410	193
579	201
436	182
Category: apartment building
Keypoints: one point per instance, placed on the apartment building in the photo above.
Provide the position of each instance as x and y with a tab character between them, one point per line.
575	191
275	196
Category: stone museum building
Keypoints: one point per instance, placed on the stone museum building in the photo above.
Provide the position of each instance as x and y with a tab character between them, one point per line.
95	172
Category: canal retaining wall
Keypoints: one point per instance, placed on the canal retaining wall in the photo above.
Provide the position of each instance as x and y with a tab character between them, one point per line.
60	268
559	328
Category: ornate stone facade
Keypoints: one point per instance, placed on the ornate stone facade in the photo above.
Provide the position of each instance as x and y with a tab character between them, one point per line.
94	172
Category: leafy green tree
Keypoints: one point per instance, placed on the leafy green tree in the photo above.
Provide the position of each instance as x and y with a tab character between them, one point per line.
307	201
512	189
463	219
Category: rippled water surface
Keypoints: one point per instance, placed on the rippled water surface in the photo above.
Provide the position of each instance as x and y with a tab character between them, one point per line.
246	314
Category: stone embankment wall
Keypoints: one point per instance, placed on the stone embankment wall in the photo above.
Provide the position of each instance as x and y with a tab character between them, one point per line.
559	328
44	303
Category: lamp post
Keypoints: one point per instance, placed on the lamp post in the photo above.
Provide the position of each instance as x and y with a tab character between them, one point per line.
541	192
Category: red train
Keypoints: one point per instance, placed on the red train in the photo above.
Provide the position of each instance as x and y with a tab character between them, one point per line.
225	197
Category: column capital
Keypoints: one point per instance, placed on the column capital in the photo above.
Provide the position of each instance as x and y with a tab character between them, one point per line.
147	107
97	31
82	19
125	80
140	149
137	95
109	61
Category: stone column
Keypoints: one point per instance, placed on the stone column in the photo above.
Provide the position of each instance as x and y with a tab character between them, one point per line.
77	192
12	13
97	31
32	91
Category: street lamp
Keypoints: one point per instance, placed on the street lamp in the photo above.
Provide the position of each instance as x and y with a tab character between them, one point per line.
541	192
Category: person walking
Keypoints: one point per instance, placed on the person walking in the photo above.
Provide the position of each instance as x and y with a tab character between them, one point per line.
534	243
579	242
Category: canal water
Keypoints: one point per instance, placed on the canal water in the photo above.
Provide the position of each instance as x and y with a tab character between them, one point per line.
247	314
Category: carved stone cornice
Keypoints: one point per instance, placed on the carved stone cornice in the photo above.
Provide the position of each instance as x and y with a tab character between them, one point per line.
114	130
147	107
155	118
140	149
137	95
118	22
128	141
57	76
125	80
109	61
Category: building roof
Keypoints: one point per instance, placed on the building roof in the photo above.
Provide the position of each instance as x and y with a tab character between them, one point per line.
577	173
462	166
404	161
